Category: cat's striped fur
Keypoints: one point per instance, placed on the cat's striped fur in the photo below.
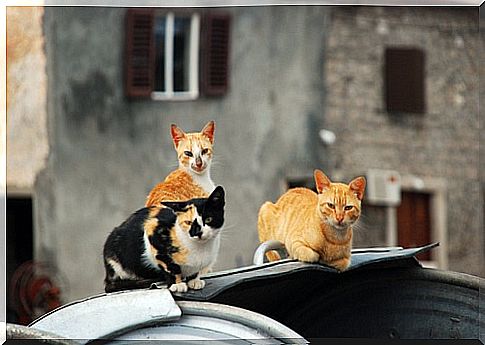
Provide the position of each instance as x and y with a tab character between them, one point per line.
314	227
192	178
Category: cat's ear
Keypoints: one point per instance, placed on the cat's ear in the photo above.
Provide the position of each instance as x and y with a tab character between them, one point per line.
321	181
357	186
176	206
217	196
177	134
208	131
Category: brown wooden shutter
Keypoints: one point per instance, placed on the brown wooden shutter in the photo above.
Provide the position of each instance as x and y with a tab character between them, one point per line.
404	80
140	53
215	54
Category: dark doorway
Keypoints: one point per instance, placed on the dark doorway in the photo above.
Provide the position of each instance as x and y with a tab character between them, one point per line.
19	239
414	221
305	182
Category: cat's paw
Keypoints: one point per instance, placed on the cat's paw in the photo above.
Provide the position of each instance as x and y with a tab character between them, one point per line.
305	254
196	284
179	287
340	264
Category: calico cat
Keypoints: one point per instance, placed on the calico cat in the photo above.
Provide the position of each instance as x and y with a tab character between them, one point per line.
314	227
192	178
175	242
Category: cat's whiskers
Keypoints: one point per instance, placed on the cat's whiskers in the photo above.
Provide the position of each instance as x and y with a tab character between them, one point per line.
227	232
228	228
362	224
172	166
217	162
229	244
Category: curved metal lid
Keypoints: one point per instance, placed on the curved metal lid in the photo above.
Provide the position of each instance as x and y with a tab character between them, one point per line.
215	324
152	314
105	315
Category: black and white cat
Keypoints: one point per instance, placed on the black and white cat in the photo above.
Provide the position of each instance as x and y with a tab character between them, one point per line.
175	242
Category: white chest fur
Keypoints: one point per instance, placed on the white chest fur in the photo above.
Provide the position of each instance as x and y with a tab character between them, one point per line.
204	181
200	255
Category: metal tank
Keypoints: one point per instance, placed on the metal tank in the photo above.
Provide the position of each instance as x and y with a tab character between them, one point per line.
385	293
152	314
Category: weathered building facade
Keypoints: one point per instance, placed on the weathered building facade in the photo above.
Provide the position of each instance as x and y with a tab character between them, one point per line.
436	151
293	71
26	98
108	151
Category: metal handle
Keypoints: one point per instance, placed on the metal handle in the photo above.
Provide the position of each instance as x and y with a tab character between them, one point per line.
258	258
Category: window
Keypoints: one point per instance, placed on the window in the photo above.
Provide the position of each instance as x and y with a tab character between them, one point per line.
404	80
176	55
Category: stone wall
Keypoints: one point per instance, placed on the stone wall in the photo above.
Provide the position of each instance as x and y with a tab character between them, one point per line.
441	144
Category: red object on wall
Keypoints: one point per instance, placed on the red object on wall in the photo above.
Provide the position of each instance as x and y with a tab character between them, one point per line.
33	291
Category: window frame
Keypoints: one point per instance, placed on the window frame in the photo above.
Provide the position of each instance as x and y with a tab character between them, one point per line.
193	91
210	55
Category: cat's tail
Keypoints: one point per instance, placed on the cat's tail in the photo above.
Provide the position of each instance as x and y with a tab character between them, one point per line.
267	219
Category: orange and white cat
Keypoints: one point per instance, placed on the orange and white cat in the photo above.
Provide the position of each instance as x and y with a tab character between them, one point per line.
314	227
192	178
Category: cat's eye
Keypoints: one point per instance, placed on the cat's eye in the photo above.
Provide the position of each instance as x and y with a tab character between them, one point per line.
188	222
348	207
329	204
204	151
208	220
188	153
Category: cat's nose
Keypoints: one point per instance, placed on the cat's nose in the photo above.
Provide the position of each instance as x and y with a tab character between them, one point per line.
198	162
195	229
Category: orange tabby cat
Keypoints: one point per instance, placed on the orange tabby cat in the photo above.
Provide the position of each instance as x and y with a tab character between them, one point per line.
314	227
192	178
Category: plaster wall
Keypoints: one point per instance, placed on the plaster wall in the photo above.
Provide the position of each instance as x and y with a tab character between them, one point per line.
108	152
27	141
